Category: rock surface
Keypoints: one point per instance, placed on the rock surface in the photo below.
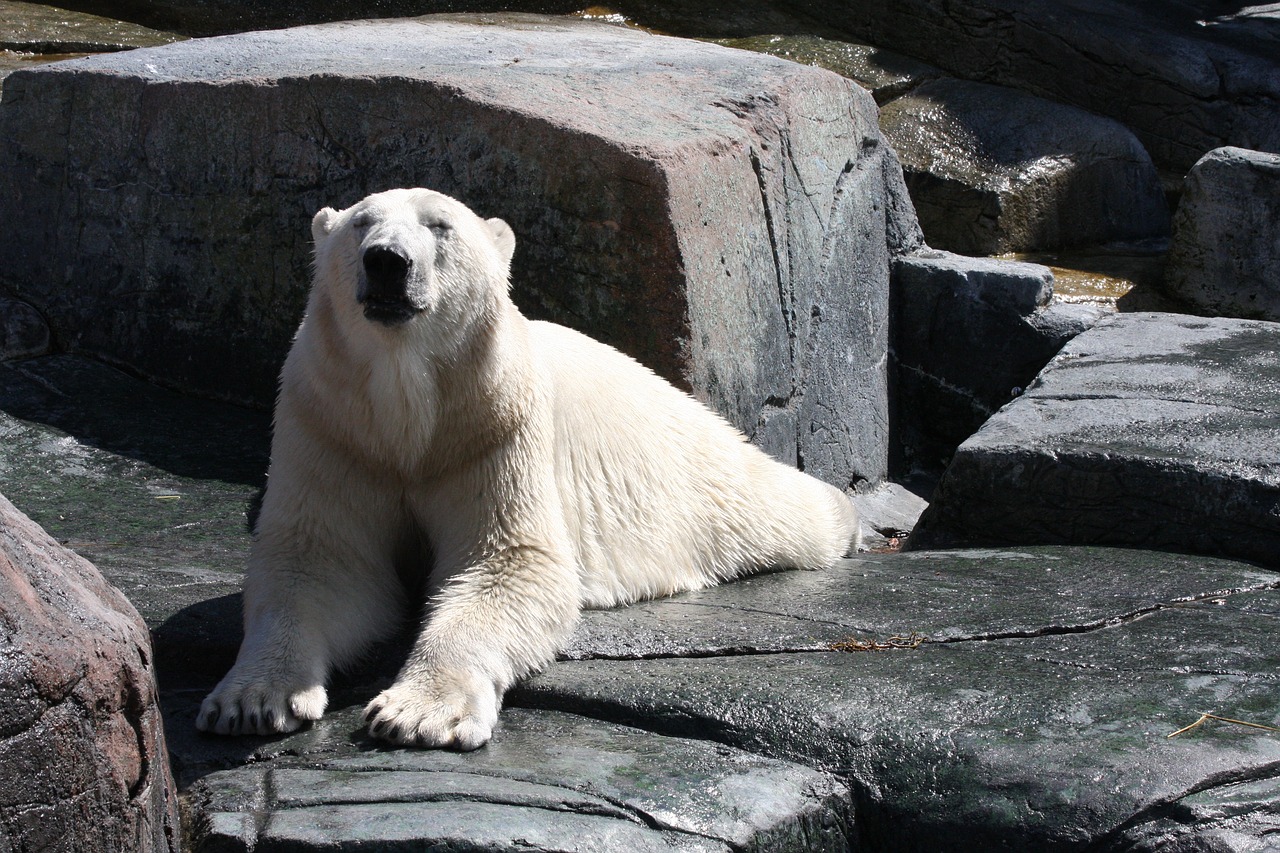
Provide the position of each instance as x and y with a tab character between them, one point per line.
1033	714
1185	76
23	332
730	223
994	170
1150	430
1225	256
547	781
969	335
81	739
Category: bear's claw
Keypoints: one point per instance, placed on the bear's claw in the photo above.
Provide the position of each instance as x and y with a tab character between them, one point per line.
427	716
247	711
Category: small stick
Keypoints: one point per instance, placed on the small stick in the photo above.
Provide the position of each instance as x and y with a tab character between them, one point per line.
1205	717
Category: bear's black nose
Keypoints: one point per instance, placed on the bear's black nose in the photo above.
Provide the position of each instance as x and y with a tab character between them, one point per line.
387	271
385	291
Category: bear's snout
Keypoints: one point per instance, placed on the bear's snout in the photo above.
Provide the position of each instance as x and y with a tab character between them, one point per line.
385	294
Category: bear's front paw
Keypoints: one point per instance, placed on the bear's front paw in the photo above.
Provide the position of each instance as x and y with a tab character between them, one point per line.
233	709
457	711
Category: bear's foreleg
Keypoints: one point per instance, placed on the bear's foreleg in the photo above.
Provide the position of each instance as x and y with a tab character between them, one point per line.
320	587
508	595
491	625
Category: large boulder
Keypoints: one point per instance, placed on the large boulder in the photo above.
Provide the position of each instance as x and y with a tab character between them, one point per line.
81	738
1186	77
1149	430
1225	255
994	170
724	216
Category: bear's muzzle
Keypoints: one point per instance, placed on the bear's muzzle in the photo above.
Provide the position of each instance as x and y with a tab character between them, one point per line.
384	293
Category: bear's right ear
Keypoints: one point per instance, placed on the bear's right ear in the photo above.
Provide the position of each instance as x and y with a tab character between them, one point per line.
503	238
322	224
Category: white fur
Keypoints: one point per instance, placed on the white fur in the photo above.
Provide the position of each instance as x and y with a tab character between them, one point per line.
547	472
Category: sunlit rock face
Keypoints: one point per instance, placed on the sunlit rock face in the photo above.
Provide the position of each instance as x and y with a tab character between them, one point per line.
995	170
726	217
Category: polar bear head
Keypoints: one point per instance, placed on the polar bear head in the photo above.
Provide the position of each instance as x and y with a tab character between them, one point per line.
411	256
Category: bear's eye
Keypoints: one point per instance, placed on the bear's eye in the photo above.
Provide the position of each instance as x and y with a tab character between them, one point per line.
436	226
360	220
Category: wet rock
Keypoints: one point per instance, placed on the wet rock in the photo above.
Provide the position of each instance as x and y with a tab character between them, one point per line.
153	487
1034	714
23	332
39	29
1150	430
547	781
995	170
1030	711
885	74
726	217
969	334
1225	255
81	739
1185	77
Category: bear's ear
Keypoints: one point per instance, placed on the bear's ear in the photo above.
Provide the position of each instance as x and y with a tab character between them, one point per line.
322	224
503	238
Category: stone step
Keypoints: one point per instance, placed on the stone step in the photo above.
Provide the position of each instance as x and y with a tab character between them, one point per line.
1149	430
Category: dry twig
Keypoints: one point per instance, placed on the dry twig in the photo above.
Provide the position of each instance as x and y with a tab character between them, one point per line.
911	641
1206	717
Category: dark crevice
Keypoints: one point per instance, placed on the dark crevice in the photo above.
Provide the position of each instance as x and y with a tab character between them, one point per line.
1090	626
1166	808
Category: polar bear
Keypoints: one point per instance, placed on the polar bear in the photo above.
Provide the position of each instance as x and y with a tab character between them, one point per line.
542	472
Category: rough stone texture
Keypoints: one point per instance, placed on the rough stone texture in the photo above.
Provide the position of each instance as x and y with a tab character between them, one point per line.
81	739
1186	76
726	217
548	781
1150	430
969	335
23	332
1225	256
994	170
1034	718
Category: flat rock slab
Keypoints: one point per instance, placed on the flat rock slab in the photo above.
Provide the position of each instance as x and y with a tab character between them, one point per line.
948	700
1149	430
725	217
548	781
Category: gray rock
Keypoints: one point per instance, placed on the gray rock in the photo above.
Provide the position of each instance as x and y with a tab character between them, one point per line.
969	335
726	217
1186	77
1150	430
994	170
887	512
23	332
1034	716
1225	255
548	781
81	738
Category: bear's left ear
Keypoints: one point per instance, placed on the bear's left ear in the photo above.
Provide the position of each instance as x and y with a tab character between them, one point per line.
503	238
322	224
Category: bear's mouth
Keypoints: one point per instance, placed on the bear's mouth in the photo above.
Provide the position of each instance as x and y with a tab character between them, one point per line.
390	312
